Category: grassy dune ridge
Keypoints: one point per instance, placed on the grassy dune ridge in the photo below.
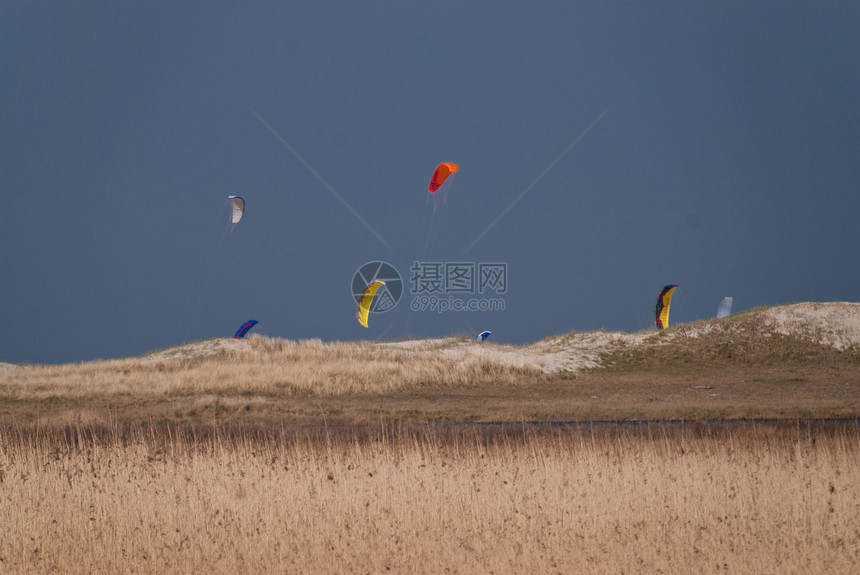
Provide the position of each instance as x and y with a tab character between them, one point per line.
775	362
250	380
753	339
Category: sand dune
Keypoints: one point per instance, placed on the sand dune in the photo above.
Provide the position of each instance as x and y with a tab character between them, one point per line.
835	324
805	355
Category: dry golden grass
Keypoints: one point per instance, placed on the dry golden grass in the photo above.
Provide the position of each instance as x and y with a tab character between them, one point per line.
414	499
261	379
260	366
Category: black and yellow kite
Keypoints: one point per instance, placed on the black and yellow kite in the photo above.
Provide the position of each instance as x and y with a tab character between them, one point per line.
661	314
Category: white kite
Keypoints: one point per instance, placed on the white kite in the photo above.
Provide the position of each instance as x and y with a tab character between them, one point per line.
725	307
238	205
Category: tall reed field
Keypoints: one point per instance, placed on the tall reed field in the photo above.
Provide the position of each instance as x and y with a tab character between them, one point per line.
409	498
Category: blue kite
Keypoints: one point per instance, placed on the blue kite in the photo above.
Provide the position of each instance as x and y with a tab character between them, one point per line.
483	335
246	327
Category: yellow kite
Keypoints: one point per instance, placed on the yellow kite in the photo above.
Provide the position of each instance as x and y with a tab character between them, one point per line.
366	300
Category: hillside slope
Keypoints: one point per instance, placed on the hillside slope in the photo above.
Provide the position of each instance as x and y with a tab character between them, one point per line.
798	332
801	360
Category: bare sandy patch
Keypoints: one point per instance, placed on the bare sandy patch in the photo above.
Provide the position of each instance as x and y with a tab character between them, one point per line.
200	349
836	324
569	352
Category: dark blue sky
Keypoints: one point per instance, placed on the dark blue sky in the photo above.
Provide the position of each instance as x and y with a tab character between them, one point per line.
727	161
